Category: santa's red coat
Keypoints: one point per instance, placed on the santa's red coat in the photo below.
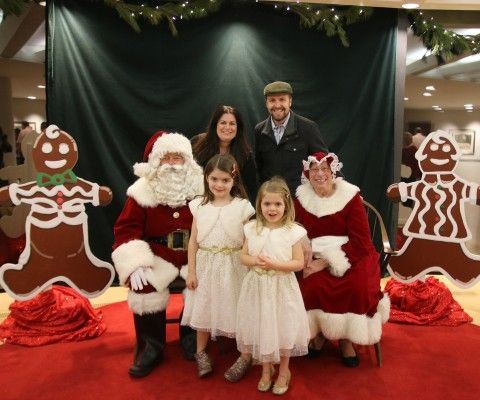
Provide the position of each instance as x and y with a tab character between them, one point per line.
137	222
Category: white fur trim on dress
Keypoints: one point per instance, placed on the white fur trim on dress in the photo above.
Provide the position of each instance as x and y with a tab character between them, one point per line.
358	328
321	206
337	259
130	256
147	303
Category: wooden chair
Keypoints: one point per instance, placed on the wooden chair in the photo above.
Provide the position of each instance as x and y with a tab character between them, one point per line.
382	243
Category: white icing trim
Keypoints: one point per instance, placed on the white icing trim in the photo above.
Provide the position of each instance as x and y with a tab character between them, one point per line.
25	256
402	189
472	195
358	328
434	268
321	206
147	303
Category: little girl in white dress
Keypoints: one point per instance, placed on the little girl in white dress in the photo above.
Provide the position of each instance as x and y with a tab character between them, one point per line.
215	273
272	323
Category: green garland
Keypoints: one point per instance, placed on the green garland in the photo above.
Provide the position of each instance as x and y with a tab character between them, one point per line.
440	41
321	17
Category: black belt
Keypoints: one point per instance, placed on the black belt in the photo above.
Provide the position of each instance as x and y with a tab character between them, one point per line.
176	240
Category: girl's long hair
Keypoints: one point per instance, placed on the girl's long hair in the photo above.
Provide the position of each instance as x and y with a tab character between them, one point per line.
279	186
225	163
208	143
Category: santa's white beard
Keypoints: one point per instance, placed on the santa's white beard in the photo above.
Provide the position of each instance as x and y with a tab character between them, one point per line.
172	186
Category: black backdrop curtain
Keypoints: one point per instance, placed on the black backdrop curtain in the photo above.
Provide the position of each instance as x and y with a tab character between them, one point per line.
111	88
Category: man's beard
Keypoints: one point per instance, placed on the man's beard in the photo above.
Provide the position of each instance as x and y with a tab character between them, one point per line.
170	186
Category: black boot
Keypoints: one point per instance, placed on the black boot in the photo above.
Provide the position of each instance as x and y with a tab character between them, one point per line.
150	332
188	341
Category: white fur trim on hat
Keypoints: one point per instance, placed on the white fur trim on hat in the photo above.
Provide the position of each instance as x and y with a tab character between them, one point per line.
130	256
171	143
358	328
147	303
321	206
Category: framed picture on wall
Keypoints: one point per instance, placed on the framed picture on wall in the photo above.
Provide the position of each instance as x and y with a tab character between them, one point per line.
425	126
467	142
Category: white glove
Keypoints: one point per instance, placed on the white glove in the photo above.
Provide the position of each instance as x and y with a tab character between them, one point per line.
138	279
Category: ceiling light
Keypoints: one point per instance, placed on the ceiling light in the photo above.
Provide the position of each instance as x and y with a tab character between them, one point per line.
405	98
31	97
410	6
469	110
468	105
427	94
430	88
41	86
42	3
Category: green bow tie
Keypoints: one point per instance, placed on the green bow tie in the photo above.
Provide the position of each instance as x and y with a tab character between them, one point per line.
58	179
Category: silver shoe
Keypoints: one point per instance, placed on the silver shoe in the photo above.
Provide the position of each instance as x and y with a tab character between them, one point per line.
204	364
238	370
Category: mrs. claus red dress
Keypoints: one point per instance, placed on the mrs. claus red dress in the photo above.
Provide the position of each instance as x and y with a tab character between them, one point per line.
344	301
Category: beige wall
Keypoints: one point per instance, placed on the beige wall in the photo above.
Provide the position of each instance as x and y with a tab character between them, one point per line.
467	169
29	110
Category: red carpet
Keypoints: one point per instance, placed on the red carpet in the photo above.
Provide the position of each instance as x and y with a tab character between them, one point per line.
429	363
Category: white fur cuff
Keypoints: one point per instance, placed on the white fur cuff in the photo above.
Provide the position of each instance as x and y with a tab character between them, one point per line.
148	303
338	261
358	328
161	274
130	256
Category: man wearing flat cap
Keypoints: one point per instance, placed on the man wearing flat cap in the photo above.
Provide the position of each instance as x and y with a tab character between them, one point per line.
285	138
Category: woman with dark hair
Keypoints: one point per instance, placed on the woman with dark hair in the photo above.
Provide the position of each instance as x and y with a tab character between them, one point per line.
226	134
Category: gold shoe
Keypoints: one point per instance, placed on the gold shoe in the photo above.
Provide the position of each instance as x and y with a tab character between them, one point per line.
265	386
279	390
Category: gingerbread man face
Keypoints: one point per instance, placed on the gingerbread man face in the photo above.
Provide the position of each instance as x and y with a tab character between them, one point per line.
438	153
55	151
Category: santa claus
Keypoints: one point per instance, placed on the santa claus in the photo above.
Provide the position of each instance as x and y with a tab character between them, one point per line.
151	239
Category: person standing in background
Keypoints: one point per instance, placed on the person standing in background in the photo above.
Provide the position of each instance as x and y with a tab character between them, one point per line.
285	138
226	134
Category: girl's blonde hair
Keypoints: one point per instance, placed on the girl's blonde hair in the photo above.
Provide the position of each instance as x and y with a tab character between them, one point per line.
279	186
225	163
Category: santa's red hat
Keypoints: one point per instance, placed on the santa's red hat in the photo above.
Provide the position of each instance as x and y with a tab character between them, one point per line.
161	143
317	158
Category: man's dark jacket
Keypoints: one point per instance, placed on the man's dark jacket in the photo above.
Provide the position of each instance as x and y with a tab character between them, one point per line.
301	138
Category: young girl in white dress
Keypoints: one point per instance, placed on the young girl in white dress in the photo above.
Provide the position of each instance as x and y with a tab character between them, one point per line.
272	323
215	273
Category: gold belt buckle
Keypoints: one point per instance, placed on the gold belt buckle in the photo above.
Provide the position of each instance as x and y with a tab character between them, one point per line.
178	239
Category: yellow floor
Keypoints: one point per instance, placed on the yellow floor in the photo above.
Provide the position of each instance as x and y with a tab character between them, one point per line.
469	299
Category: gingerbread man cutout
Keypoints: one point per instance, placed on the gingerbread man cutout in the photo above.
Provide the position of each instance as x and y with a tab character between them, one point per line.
56	228
437	229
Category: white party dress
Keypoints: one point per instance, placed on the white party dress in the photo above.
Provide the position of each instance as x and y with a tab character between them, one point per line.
212	306
271	317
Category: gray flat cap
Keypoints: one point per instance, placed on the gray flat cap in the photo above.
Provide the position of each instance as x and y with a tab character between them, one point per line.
277	87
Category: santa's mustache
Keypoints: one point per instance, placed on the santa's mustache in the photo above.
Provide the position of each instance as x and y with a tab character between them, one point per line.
170	168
